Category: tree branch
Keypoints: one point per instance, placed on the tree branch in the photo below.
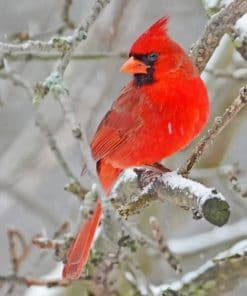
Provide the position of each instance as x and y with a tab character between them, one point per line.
217	26
219	124
28	281
73	185
202	201
221	274
65	14
44	56
210	239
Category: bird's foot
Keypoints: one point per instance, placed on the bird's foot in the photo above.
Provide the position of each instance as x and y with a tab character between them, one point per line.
149	173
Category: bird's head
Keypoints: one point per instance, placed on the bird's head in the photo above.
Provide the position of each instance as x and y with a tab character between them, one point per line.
153	55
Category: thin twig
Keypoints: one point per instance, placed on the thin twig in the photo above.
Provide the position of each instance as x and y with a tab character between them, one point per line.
60	246
61	230
69	114
164	248
80	33
73	185
65	14
14	235
28	281
43	56
231	174
219	124
33	46
54	82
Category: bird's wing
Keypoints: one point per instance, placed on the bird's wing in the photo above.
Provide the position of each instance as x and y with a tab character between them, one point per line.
119	123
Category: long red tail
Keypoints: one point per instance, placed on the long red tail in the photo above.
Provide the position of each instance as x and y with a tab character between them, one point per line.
79	251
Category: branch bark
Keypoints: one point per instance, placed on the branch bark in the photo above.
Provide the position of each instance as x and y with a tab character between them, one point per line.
217	26
131	195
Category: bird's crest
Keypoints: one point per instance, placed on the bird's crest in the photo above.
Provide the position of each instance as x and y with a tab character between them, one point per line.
153	37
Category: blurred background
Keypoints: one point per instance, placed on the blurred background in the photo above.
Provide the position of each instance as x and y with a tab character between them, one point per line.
32	196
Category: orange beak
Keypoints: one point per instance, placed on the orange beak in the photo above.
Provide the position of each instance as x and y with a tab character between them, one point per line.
133	66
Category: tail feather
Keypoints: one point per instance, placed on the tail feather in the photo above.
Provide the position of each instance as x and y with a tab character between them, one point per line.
107	175
78	254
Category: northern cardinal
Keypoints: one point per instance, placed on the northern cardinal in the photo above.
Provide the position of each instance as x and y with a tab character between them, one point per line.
159	112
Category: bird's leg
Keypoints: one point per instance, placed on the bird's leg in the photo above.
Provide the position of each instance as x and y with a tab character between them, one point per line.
157	167
149	173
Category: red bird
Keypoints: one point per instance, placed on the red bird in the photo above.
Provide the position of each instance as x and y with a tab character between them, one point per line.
160	111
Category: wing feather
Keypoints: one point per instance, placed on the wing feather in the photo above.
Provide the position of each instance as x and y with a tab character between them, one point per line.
118	124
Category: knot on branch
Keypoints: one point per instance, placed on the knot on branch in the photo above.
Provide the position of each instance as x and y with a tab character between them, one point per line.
54	83
62	44
81	34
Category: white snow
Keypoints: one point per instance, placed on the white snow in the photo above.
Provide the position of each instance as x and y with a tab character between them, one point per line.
241	26
211	4
209	239
176	181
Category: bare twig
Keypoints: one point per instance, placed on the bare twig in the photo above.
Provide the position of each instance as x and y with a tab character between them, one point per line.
28	281
80	34
74	185
60	246
65	14
61	230
218	25
231	174
160	239
45	243
14	235
69	114
55	81
190	195
219	124
43	56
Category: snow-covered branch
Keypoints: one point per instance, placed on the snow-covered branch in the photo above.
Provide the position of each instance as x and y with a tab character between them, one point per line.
210	239
135	190
221	272
239	36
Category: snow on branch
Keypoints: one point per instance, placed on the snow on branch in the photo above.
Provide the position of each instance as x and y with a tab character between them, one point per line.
239	36
135	190
216	276
216	237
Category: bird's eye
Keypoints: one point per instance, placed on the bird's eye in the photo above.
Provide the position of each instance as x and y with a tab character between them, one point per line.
153	56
